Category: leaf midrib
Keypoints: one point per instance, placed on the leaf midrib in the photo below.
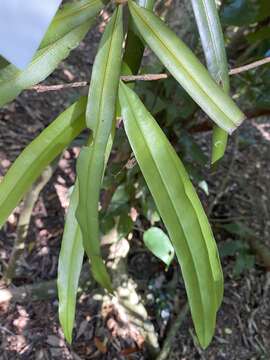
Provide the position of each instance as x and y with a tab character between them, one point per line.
96	131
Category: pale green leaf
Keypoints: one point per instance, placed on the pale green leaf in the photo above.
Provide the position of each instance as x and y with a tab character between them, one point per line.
159	244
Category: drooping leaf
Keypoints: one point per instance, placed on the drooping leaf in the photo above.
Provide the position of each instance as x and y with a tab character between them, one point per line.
134	48
159	244
38	154
186	69
69	267
69	17
14	81
100	115
181	211
211	35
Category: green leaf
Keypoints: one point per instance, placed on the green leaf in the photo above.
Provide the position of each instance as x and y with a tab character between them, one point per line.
159	244
211	35
38	154
259	35
14	81
181	211
100	115
244	12
69	267
231	248
134	47
69	17
239	229
186	69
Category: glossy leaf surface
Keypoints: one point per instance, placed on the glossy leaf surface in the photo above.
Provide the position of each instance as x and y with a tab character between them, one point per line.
159	244
100	115
38	154
186	69
69	267
180	210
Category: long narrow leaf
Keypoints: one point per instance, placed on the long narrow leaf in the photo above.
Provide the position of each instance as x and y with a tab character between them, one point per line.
186	69
187	226
69	267
38	154
100	115
211	35
14	81
134	48
70	16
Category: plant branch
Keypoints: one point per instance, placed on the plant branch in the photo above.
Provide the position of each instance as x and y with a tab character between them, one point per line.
144	77
126	78
250	66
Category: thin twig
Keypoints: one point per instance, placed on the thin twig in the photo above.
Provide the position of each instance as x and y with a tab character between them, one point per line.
144	77
126	78
44	88
250	66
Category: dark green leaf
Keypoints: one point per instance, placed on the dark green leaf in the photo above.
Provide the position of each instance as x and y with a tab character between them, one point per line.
69	17
244	12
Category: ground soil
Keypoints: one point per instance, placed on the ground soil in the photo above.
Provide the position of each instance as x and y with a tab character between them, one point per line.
31	330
